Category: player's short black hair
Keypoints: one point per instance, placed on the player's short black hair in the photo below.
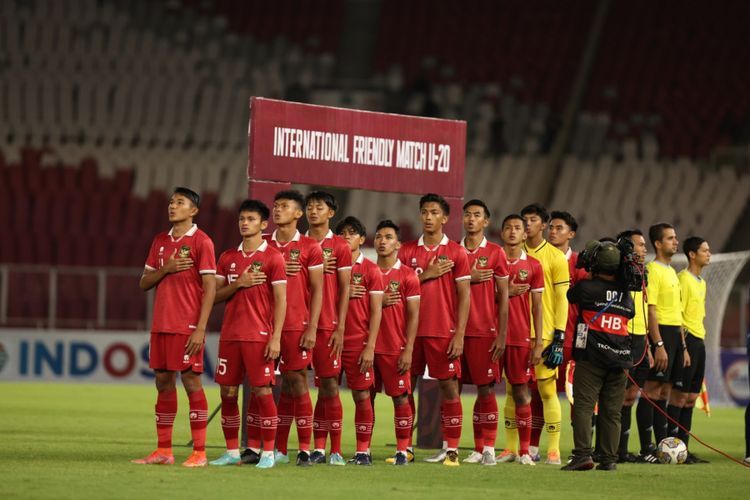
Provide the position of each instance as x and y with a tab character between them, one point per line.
536	209
513	217
566	217
352	222
323	196
291	195
478	203
435	198
692	244
656	232
256	206
389	223
188	193
629	233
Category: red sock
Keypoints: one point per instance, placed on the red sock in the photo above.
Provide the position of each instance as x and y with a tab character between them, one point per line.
537	417
413	406
335	413
268	420
165	410
488	409
230	421
477	424
363	424
198	419
523	421
253	423
320	424
286	410
403	419
303	412
452	421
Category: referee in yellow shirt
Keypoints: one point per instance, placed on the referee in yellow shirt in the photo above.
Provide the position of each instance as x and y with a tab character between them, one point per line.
554	321
687	388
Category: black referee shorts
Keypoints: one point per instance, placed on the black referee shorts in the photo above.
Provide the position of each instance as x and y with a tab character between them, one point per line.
691	378
673	344
639	371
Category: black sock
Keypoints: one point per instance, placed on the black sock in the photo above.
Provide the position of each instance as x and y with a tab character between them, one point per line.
625	417
644	417
686	420
660	420
675	413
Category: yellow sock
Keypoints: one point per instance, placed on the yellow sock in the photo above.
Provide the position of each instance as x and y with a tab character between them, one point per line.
552	412
511	429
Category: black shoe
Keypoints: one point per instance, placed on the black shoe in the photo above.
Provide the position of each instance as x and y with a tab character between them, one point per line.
362	459
627	458
648	456
303	459
607	466
317	457
597	456
580	462
249	457
694	459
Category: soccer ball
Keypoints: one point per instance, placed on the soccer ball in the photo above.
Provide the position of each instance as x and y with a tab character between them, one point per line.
672	451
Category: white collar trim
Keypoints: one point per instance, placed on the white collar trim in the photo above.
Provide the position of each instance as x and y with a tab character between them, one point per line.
261	248
294	238
190	232
443	241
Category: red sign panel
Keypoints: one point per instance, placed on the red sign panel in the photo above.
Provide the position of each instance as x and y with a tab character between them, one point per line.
307	144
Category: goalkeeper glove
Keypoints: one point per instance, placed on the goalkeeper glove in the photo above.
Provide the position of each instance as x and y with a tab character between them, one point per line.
553	353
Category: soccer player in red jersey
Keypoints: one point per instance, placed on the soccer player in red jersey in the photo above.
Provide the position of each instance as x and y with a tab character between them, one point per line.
181	265
521	352
486	328
398	331
252	281
304	296
362	326
320	208
444	276
562	230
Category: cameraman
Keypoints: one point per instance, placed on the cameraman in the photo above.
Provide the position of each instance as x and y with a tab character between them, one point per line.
601	350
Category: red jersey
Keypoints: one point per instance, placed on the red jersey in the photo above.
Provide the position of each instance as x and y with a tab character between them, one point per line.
484	308
392	334
367	274
438	307
249	312
576	275
524	270
177	305
333	245
307	252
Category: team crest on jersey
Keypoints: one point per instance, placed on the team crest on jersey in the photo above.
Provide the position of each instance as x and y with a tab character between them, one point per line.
393	286
523	274
256	266
442	258
233	267
482	260
327	252
184	252
357	278
294	254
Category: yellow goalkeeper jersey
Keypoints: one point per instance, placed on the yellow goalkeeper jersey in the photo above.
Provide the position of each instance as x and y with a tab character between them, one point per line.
556	284
693	302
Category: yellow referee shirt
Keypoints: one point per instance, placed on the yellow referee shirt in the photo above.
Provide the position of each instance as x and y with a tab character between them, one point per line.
637	325
556	284
664	293
693	303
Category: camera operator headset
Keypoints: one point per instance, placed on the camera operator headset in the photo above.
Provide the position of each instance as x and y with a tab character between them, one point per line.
601	348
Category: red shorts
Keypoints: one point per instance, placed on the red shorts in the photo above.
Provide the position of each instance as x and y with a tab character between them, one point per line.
516	364
293	357
432	353
567	356
388	377
477	366
325	366
237	359
355	379
167	352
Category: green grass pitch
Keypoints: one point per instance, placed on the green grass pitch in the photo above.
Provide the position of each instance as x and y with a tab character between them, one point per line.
74	441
